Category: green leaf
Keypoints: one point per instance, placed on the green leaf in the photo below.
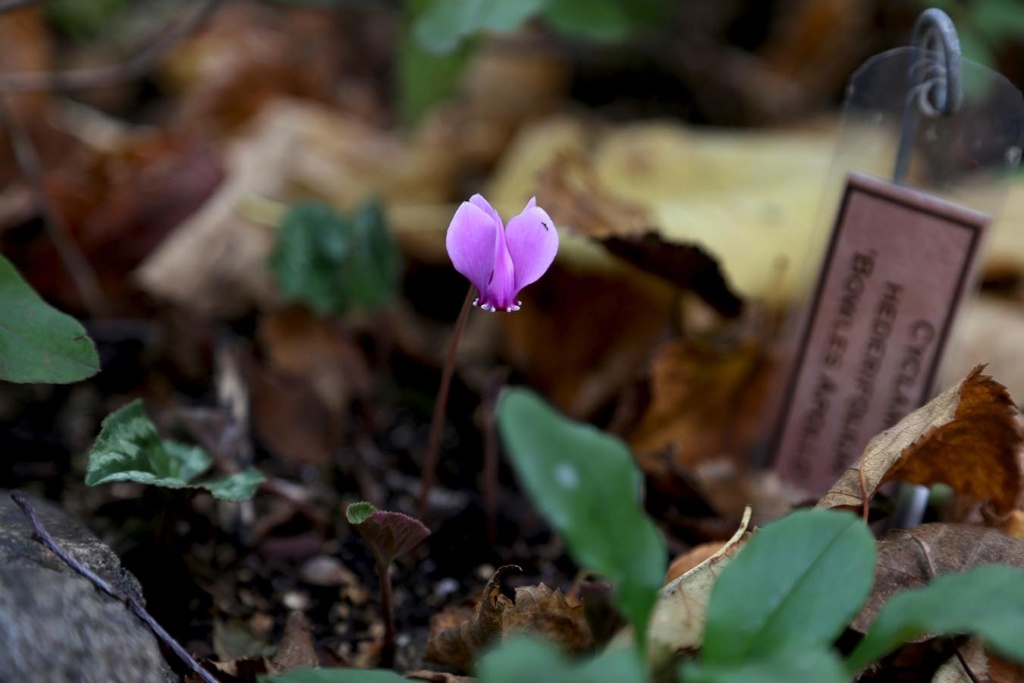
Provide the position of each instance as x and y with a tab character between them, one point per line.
588	487
389	534
975	48
807	666
357	513
235	487
337	676
83	19
130	449
648	13
373	275
987	601
598	20
335	263
529	660
425	78
38	343
445	23
795	586
998	21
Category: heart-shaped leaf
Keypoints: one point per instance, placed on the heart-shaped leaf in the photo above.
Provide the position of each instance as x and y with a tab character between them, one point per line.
130	449
389	534
38	343
333	262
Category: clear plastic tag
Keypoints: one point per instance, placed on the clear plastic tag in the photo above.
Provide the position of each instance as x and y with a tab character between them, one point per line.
900	257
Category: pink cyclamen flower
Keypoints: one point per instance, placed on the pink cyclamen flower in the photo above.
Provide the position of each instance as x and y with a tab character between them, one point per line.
500	260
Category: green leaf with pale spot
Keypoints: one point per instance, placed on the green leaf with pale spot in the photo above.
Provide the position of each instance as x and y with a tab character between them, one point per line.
38	343
587	485
130	449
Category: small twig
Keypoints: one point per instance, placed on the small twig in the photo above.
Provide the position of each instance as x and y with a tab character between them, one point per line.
932	573
864	491
964	665
387	651
44	536
440	404
71	256
136	66
926	553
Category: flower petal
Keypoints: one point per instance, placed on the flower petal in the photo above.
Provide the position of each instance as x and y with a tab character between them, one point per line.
532	243
501	290
472	240
478	201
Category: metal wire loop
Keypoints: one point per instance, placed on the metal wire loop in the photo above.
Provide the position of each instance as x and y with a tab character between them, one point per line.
936	87
939	88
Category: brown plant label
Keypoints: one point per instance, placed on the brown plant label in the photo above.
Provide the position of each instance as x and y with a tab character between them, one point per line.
895	271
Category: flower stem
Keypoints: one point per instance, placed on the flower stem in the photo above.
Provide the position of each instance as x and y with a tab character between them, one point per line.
440	404
497	381
387	651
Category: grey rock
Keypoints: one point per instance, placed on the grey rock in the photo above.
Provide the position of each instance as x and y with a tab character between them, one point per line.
55	626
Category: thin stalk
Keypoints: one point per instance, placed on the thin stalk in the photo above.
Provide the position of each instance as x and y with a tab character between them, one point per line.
74	260
440	405
491	477
387	652
497	381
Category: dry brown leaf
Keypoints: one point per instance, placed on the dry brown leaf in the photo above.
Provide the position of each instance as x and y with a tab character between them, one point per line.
984	666
1004	671
703	405
952	549
296	649
457	635
246	55
289	418
612	324
551	615
28	46
438	677
967	437
691	558
686	266
572	194
677	624
215	262
1013	524
301	344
